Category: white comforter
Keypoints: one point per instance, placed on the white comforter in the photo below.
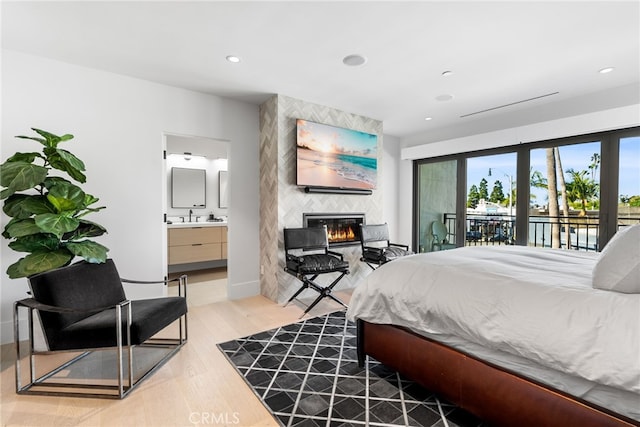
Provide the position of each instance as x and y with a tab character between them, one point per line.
530	302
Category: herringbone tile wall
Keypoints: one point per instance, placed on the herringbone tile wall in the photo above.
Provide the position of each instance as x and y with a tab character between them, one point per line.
282	203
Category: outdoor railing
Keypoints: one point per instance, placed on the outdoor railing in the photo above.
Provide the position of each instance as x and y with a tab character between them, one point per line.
578	233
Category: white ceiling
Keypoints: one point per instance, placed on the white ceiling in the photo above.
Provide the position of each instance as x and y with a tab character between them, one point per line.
500	53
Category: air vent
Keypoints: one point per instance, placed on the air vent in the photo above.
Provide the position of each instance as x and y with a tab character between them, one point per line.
510	104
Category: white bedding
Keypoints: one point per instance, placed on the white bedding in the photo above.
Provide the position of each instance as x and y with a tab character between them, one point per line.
529	302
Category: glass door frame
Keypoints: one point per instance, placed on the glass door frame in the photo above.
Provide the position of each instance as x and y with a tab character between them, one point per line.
609	175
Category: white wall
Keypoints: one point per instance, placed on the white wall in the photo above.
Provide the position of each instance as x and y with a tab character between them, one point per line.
389	183
119	123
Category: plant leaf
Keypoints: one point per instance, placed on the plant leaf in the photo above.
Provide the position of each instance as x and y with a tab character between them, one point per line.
39	262
85	229
65	196
72	160
51	181
51	139
58	162
89	200
33	138
56	223
41	242
23	227
22	206
19	176
89	250
24	157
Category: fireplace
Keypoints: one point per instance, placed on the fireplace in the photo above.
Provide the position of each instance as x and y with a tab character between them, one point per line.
343	229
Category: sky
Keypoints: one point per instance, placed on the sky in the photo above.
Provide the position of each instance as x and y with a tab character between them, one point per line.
577	157
331	139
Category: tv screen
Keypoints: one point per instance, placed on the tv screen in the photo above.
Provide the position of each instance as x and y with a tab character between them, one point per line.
330	156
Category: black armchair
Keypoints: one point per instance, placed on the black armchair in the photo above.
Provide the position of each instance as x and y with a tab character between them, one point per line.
308	256
376	248
82	308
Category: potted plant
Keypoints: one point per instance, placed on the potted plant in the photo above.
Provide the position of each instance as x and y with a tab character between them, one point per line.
47	211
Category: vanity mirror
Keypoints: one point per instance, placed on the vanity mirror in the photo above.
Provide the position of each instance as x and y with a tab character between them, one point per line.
222	190
188	188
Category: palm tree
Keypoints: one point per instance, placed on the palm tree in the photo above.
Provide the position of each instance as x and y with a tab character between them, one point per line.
582	188
552	189
563	195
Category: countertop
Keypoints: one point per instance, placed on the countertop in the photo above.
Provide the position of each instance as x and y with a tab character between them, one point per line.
197	224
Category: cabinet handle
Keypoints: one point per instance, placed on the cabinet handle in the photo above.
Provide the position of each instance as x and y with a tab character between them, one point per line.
196	244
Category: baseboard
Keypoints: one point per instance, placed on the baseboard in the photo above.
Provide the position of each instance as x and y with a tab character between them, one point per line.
243	290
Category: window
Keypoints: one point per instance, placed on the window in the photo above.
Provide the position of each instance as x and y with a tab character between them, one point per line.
571	193
491	199
564	196
629	181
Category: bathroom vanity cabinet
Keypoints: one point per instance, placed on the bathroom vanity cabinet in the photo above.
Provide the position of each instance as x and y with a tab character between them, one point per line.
197	246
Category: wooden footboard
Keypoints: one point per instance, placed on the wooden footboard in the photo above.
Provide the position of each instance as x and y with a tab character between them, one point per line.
496	396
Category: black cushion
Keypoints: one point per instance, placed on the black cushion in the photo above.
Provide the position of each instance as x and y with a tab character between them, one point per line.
148	317
317	263
382	255
393	252
81	286
88	288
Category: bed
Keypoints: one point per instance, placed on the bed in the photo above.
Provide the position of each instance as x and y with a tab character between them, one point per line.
515	335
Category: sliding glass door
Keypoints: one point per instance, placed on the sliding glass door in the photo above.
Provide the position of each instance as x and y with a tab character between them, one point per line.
629	182
570	193
565	196
435	202
491	199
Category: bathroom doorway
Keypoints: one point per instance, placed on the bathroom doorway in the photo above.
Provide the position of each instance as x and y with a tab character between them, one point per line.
195	182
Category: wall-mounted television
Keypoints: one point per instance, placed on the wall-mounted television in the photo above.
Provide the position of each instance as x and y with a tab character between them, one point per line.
334	157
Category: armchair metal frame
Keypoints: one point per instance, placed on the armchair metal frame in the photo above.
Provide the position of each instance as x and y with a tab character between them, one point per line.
376	247
306	240
46	384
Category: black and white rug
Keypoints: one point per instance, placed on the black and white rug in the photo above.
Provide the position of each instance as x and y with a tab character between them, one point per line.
307	374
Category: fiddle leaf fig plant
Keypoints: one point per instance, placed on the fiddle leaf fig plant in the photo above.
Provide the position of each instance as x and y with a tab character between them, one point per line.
47	212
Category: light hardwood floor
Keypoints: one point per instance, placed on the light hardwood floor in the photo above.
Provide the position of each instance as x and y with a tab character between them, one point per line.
198	386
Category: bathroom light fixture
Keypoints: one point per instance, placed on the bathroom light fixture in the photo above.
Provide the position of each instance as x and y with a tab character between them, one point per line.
187	155
233	58
354	60
606	70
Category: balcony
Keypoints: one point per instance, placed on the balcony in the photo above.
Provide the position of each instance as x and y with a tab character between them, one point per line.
577	233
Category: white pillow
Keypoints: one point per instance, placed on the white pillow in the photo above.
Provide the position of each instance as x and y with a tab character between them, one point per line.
618	268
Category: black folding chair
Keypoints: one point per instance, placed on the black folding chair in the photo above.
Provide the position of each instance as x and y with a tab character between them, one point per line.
307	257
376	248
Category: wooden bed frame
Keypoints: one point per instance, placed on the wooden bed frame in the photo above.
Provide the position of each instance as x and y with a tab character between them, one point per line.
496	396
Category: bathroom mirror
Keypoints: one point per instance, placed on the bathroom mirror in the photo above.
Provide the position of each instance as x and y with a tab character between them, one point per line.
188	188
222	190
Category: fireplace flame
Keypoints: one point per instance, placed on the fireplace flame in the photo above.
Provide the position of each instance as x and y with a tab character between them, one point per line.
341	234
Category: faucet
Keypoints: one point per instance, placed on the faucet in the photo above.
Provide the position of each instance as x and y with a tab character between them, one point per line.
190	212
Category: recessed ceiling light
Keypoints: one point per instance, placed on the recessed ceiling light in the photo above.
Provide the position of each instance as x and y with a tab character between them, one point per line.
447	73
606	70
428	118
234	59
354	60
445	97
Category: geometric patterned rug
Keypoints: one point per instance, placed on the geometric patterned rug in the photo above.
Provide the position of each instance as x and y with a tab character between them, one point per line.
307	374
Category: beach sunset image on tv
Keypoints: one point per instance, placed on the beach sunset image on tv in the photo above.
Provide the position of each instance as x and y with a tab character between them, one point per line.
330	156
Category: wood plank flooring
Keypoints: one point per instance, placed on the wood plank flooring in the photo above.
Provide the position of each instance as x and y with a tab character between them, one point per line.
196	387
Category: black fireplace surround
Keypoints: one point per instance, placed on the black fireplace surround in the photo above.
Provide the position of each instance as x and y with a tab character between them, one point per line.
343	229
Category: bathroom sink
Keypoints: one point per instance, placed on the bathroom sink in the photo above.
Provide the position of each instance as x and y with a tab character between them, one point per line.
196	224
